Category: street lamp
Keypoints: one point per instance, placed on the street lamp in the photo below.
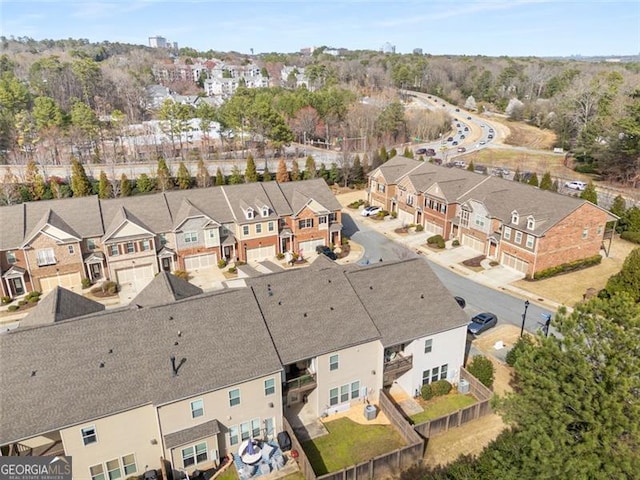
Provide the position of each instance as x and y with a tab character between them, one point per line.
524	316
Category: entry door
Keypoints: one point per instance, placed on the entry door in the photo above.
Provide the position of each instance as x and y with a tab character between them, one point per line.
96	270
166	264
17	286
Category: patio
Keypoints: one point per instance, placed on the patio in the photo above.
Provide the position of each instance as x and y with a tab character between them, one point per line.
261	459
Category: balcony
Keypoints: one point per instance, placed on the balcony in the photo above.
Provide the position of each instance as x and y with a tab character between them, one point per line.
396	367
301	384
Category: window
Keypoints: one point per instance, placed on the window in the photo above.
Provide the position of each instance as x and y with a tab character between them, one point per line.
333	396
479	221
255	427
163	239
585	233
530	239
515	218
380	188
531	223
211	233
91	244
464	218
410	199
265	211
428	345
190	237
188	457
333	217
249	214
11	257
130	247
355	390
113	470
201	452
269	387
270	226
425	377
322	220
443	208
344	393
97	472
233	435
197	408
435	374
113	251
234	397
507	233
305	223
89	435
45	257
145	245
599	229
518	237
334	362
443	371
245	431
245	230
71	249
129	464
258	228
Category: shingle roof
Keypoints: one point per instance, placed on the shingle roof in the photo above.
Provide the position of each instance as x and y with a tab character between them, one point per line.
165	288
13	229
81	214
60	304
251	195
193	434
396	167
297	192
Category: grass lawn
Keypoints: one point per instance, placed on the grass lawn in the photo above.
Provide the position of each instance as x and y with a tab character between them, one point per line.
349	443
439	406
229	474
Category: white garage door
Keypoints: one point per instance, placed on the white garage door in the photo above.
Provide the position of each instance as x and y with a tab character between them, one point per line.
70	281
309	246
195	262
433	228
406	218
472	242
515	263
261	253
135	278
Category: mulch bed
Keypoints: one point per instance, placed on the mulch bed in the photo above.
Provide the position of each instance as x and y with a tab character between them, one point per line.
474	262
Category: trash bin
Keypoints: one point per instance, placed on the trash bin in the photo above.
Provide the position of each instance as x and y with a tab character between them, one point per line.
284	441
370	412
463	386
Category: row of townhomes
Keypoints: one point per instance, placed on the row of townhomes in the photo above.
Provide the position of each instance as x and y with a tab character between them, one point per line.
520	226
186	376
129	240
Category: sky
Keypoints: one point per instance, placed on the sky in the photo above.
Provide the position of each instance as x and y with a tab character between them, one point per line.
439	27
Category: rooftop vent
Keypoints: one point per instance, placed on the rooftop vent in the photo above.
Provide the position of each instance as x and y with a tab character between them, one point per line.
279	302
370	287
170	318
331	308
111	350
33	373
175	344
179	333
101	364
305	315
422	295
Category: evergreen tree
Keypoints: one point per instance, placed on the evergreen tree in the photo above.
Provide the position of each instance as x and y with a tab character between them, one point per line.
281	174
80	185
357	172
590	194
163	176
250	173
125	186
556	186
546	183
392	153
365	164
39	188
517	176
628	278
220	180
533	181
145	184
236	176
266	176
183	178
323	172
310	168
407	152
31	171
203	179
295	171
471	167
105	190
334	174
619	206
384	155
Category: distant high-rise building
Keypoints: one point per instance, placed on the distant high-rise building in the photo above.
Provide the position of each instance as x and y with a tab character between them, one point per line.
417	51
157	42
388	48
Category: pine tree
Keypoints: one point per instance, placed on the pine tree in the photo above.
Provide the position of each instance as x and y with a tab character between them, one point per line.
30	174
392	153
250	173
590	194
323	172
357	172
281	174
334	174
295	171
546	183
183	177
163	176
145	184
105	190
203	179
309	168
407	152
517	176
471	167
619	206
125	186
266	176
236	176
384	155
365	163
220	180
533	181
39	188
80	185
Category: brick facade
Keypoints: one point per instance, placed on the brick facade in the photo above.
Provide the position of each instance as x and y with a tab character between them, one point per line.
66	262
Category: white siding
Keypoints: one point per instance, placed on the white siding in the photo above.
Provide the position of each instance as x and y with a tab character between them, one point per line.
195	262
70	281
261	253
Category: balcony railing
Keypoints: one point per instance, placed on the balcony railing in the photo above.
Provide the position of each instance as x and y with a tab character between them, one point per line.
302	383
396	367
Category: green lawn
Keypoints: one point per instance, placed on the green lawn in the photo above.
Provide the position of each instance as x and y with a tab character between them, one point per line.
229	474
349	443
439	406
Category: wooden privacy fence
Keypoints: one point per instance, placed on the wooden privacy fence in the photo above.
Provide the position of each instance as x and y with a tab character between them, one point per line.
303	461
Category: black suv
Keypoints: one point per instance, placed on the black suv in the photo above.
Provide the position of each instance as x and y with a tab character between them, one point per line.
320	249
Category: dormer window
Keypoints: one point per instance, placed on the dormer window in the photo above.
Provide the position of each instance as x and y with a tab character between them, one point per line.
249	213
265	211
515	218
531	223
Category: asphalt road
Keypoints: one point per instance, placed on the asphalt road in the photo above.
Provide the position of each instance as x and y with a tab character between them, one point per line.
479	298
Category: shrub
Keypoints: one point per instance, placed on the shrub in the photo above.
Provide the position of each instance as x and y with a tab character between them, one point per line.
34	300
631	236
394	214
383	213
34	294
356	204
455	242
13	308
107	287
436	241
22	302
518	349
6	300
482	368
86	283
568	267
440	387
183	274
344	240
232	270
222	263
419	228
280	256
426	392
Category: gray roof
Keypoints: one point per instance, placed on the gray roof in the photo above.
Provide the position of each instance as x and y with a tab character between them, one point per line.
299	193
13	217
60	304
193	434
208	201
240	197
165	288
135	346
396	167
406	300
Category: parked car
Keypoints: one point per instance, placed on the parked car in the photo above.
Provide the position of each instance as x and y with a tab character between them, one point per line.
455	142
466	129
370	211
430	152
421	151
461	301
450	139
481	322
460	164
576	185
324	250
461	149
468	118
457	109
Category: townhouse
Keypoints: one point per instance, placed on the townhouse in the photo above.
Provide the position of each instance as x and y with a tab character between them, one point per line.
518	225
186	376
129	240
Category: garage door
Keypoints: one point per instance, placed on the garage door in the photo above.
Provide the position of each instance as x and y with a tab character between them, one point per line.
70	281
309	246
515	263
472	242
433	228
406	218
135	278
261	253
196	262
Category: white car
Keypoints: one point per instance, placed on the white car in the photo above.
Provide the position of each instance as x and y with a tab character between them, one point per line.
370	211
575	185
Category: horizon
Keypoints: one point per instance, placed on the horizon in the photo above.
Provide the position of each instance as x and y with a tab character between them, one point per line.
522	28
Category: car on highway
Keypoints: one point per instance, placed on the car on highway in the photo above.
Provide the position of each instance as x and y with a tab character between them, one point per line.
457	109
461	149
466	129
576	185
326	251
482	322
455	142
370	211
430	152
421	151
450	139
490	136
468	118
482	142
